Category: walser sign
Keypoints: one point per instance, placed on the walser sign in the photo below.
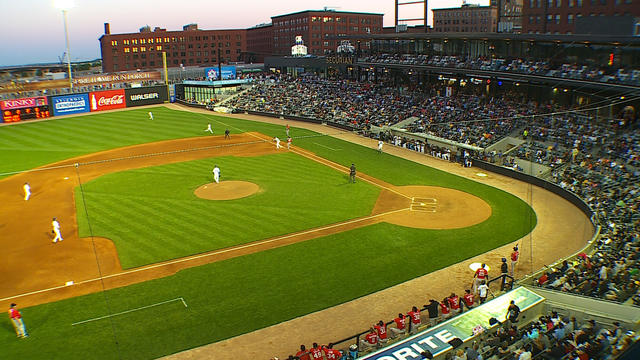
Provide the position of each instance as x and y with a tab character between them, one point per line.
145	96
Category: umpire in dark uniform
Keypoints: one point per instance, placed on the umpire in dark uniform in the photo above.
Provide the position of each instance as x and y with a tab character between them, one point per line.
352	173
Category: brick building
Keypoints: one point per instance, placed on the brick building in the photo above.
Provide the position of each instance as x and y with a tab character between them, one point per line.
316	26
509	15
467	18
189	47
259	43
560	16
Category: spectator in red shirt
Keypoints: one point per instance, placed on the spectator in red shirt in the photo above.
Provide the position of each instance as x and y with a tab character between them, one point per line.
454	303
444	309
303	354
543	279
316	351
401	325
370	340
468	299
414	314
381	330
330	353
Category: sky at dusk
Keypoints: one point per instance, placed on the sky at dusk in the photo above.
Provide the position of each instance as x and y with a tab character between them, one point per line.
32	31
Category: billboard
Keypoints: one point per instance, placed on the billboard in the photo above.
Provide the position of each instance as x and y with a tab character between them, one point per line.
117	77
145	96
23	103
15	110
70	104
107	100
228	73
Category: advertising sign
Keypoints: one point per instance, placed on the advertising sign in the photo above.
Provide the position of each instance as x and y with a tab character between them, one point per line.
228	73
436	339
145	96
117	77
23	103
107	100
70	104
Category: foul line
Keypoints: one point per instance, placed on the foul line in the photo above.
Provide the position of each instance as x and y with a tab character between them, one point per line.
213	253
326	147
132	310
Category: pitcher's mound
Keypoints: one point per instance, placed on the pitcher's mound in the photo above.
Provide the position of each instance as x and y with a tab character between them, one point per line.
226	190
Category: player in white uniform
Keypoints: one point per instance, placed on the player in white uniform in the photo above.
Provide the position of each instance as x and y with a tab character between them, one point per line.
216	174
209	129
289	140
56	230
277	140
380	146
150	115
27	191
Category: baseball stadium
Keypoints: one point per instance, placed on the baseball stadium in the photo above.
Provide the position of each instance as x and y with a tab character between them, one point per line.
350	196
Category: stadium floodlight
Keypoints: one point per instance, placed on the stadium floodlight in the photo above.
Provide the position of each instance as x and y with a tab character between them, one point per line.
66	5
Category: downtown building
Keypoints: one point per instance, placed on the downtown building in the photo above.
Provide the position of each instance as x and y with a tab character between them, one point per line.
598	17
196	47
468	18
189	47
317	27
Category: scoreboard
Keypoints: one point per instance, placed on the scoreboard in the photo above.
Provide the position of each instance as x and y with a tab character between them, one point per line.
24	109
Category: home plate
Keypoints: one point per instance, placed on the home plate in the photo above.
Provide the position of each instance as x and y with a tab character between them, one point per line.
481	174
68	283
66	178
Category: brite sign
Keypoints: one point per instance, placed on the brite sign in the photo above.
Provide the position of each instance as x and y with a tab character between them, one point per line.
228	73
70	104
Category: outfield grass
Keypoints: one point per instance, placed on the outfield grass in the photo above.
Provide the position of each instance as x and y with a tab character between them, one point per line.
239	295
152	215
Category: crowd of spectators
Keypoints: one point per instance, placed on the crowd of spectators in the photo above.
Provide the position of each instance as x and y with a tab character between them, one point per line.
607	181
549	68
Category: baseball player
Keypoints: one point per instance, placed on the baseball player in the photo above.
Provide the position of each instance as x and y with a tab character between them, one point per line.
150	115
481	274
226	134
56	230
209	129
352	173
515	256
287	130
216	174
16	319
27	191
289	140
380	146
277	140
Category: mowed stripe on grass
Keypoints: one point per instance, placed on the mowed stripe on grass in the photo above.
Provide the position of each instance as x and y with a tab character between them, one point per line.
152	215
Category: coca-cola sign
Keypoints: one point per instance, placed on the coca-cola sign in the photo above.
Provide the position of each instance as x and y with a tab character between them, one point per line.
106	100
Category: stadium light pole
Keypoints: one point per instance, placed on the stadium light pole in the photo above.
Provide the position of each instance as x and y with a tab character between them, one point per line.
65	5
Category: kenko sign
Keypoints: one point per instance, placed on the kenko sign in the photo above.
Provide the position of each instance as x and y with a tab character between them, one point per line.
105	100
70	104
145	96
23	103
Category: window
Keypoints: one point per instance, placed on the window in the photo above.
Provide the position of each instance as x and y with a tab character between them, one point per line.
135	49
158	47
570	3
143	41
227	51
114	42
558	3
570	19
126	50
558	19
549	18
151	41
143	49
134	41
125	41
578	3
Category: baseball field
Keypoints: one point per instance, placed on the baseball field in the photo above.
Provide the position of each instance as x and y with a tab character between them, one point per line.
157	258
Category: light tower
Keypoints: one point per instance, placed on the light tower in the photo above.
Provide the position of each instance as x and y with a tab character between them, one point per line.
66	5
